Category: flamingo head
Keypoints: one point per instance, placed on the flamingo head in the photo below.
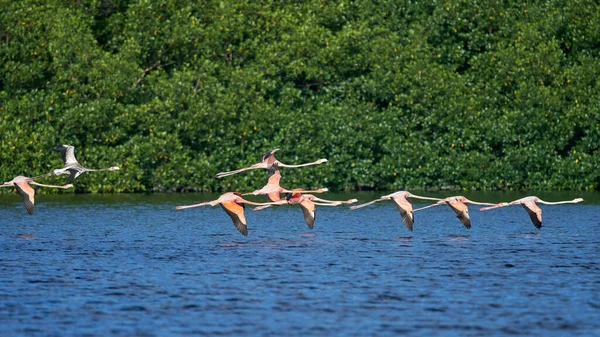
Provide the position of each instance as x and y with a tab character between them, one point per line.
351	201
324	189
114	168
292	195
69	186
320	161
578	200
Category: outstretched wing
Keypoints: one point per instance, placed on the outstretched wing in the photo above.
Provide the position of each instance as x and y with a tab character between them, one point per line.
268	157
274	196
236	213
535	213
67	152
462	212
309	211
406	211
273	178
27	193
273	175
74	172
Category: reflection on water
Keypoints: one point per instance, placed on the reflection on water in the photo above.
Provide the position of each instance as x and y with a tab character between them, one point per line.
125	265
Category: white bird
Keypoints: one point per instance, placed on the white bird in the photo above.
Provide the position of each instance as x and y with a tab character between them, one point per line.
459	206
404	205
71	166
530	204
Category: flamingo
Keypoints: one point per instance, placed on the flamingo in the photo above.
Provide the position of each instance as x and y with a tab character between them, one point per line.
272	189
22	184
71	166
267	160
530	204
233	204
459	205
307	203
404	205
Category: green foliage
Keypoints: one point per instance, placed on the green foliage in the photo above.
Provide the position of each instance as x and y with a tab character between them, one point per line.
396	94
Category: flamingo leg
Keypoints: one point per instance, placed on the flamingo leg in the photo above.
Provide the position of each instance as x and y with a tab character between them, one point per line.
320	161
428	206
53	186
195	205
228	173
368	203
424	198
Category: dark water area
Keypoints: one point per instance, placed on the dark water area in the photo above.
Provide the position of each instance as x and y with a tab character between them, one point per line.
131	265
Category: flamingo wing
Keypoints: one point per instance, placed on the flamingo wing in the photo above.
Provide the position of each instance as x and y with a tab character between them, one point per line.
236	213
27	193
309	211
269	157
462	212
406	211
535	213
74	172
273	175
67	152
274	196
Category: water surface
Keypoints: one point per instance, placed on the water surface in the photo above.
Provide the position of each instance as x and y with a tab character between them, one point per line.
123	265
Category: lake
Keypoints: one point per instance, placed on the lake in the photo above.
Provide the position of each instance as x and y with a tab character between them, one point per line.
131	265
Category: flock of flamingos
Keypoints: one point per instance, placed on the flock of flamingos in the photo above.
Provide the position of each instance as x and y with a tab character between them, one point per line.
233	202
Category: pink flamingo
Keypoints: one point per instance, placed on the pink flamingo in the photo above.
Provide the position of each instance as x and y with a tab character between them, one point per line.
404	205
22	184
530	204
311	198
272	189
459	206
233	204
267	160
308	203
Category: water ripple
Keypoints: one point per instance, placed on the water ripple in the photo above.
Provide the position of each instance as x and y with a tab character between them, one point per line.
143	269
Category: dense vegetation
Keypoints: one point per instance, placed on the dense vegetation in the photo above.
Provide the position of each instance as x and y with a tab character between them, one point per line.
395	93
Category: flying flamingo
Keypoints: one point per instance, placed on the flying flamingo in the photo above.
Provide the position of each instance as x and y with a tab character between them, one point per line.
71	166
233	204
531	206
267	160
22	184
307	203
272	189
404	205
459	205
310	197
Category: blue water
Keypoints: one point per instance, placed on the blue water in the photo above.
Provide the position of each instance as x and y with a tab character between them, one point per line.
133	266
